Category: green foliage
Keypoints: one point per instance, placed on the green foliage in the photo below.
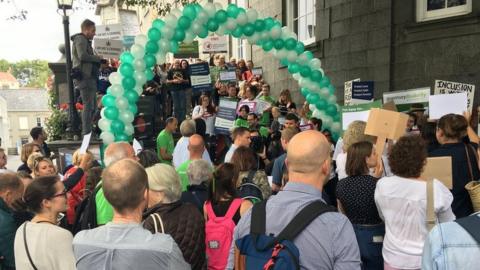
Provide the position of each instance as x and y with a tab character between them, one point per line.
29	73
57	122
162	7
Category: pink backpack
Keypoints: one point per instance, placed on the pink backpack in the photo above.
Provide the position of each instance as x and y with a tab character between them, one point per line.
219	235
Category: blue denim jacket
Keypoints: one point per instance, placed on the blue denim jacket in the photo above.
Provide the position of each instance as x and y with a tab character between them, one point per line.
450	247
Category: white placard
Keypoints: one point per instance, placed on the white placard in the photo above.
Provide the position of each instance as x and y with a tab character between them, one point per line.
200	79
441	105
348	91
447	87
108	48
262	105
111	31
215	44
349	117
137	147
270	180
129	20
85	143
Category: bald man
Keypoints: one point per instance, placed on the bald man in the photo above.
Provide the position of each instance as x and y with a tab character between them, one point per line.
113	153
196	148
328	242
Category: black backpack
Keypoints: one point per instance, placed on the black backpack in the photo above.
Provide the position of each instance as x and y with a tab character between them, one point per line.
86	213
248	190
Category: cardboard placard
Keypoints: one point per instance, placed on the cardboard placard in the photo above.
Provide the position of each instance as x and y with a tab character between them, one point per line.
441	105
386	123
439	168
390	106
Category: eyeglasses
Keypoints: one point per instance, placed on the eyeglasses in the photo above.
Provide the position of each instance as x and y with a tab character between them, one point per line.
62	194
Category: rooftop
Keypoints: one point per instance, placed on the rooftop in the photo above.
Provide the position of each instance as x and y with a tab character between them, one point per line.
5	76
26	100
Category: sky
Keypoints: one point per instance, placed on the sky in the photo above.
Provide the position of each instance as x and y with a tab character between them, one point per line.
39	36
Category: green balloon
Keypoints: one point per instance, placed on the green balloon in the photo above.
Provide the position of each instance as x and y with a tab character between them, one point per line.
324	82
293	68
321	104
151	47
117	126
313	98
154	34
290	43
336	118
150	60
267	45
133	108
111	113
316	76
331	89
331	110
149	74
126	57
232	11
121	137
108	100
126	69
241	10
284	62
269	23
198	8
174	46
184	22
305	71
128	83
299	48
304	91
237	32
131	96
203	33
179	35
212	25
221	16
278	44
158	24
248	29
190	12
259	25
309	55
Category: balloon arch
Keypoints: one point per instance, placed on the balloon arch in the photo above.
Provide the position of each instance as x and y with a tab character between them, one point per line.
196	20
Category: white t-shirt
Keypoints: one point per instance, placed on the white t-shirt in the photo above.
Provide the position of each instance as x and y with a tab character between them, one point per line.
402	204
208	118
181	154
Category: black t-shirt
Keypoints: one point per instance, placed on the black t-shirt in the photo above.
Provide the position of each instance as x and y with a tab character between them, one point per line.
177	74
461	205
285	107
357	195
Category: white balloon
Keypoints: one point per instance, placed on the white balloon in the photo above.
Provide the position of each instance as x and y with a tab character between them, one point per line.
104	124
176	12
221	30
315	63
285	33
242	18
321	71
167	32
202	17
126	117
218	6
138	89
327	121
102	113
275	32
141	40
312	107
129	129
231	24
139	64
302	58
160	58
115	78
283	53
140	77
137	51
171	20
292	56
316	113
189	37
122	102
196	28
116	90
315	87
253	38
336	127
265	35
252	15
324	93
332	99
210	9
164	45
303	82
107	137
297	76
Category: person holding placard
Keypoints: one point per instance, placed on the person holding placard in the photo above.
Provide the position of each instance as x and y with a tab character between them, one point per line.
177	80
265	96
242	117
401	201
285	103
451	130
206	112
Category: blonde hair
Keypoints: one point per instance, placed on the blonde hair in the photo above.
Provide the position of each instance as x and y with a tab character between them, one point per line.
27	150
31	160
356	133
77	157
163	177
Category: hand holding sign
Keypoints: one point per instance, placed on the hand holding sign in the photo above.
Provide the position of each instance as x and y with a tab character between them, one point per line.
85	143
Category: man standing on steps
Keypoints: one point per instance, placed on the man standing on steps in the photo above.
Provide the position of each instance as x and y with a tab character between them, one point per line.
85	67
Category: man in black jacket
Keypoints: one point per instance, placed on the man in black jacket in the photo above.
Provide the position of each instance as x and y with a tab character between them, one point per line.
85	71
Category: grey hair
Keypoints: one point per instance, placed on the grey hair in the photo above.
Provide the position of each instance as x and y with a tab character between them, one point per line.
187	128
116	152
163	177
199	171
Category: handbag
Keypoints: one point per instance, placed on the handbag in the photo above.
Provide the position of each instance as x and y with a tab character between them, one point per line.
473	187
430	206
26	246
157	220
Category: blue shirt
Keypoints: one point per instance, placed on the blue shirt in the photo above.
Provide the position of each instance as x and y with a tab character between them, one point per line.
277	171
329	242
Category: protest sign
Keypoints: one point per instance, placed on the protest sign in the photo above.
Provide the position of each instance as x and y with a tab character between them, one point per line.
215	44
362	92
306	127
252	105
262	105
257	71
441	105
439	168
405	98
111	31
390	106
228	76
107	48
357	112
129	22
137	147
348	91
187	50
200	77
226	115
446	87
85	143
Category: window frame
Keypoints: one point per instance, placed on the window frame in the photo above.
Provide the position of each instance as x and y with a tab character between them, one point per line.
423	15
292	21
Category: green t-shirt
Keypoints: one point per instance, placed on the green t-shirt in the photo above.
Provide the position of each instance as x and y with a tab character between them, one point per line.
240	122
165	140
264	132
265	119
104	208
182	171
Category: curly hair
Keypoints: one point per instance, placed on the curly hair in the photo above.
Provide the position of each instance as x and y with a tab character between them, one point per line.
356	133
408	156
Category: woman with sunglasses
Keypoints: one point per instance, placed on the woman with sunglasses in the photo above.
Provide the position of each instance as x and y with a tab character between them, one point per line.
40	243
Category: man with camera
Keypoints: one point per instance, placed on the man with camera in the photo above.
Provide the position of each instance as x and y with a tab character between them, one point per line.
85	71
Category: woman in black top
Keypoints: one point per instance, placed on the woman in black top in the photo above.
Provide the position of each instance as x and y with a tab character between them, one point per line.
451	131
285	103
355	196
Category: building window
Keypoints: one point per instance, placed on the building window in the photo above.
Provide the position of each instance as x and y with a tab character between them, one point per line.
23	122
241	44
300	18
39	122
438	9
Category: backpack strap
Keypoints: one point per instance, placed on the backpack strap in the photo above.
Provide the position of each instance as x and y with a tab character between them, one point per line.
471	225
26	246
258	219
234	206
210	212
155	217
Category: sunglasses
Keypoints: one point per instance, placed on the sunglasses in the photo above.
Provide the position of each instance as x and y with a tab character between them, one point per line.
62	194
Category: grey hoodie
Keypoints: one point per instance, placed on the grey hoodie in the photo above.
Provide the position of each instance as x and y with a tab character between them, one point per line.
83	57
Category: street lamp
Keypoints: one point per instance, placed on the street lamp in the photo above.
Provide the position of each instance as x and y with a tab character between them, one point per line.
73	123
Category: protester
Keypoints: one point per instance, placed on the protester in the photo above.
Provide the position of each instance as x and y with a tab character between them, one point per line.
125	185
165	143
200	174
275	126
401	203
250	93
241	137
11	189
114	152
206	112
40	243
147	158
31	162
247	75
167	214
192	97
27	150
241	120
39	137
178	83
451	129
252	120
412	127
428	134
94	176
280	172
20	212
285	103
85	72
316	124
196	148
355	198
265	96
3	160
104	72
181	153
328	242
246	164
232	92
291	121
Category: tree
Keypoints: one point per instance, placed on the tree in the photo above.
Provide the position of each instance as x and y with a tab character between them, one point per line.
29	73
